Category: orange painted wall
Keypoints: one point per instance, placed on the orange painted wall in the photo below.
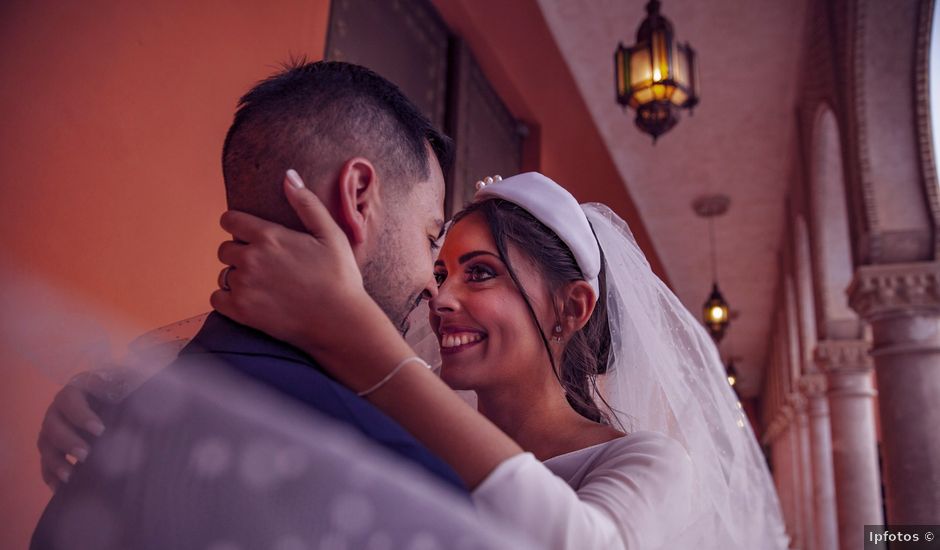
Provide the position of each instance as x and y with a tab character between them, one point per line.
113	115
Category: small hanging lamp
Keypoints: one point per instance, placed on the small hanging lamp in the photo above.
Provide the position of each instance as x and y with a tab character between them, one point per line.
732	373
657	76
715	310
715	314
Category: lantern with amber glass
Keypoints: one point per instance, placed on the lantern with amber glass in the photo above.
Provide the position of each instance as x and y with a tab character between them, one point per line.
656	76
732	373
715	314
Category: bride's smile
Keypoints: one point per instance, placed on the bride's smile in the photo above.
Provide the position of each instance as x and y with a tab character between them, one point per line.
456	339
486	333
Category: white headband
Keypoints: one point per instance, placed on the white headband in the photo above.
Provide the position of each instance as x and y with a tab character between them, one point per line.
555	207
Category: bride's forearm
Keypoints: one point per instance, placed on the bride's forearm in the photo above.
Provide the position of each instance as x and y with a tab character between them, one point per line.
414	396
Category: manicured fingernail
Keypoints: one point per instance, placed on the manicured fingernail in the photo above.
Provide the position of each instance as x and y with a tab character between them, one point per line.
63	474
294	178
79	453
94	427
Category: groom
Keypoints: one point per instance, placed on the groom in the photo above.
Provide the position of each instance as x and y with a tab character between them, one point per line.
376	162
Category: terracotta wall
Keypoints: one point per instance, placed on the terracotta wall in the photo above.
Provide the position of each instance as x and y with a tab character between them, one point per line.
113	115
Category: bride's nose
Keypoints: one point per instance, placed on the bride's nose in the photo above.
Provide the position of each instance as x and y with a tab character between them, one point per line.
444	300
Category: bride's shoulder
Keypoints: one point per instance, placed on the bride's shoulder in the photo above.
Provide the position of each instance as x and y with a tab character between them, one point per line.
647	442
646	450
643	479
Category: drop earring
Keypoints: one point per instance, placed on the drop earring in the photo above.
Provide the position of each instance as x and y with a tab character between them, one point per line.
557	337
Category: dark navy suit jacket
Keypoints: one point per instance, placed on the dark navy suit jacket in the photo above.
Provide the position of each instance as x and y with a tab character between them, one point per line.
180	466
295	374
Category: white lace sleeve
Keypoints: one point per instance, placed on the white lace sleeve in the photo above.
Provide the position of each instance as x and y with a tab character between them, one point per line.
631	494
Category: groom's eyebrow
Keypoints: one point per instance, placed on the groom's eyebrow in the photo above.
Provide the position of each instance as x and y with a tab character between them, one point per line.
441	227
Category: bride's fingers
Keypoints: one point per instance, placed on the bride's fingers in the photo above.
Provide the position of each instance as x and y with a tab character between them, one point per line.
57	433
54	467
237	305
222	301
231	252
73	405
245	227
309	208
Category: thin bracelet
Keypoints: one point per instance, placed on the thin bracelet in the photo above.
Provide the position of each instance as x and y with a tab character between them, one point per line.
394	371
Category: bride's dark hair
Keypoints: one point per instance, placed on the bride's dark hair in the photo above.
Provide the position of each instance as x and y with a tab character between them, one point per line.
588	350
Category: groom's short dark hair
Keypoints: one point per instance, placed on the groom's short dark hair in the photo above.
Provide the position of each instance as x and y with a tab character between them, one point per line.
313	117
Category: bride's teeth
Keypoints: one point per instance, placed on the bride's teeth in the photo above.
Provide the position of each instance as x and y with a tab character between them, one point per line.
454	340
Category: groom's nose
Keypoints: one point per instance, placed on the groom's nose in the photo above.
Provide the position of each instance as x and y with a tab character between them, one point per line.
430	289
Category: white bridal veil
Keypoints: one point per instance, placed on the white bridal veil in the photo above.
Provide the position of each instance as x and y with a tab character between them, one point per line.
665	375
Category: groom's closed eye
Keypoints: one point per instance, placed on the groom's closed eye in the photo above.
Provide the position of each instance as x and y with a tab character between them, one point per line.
439	226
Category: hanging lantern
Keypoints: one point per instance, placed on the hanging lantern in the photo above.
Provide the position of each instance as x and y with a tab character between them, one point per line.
732	373
715	314
656	76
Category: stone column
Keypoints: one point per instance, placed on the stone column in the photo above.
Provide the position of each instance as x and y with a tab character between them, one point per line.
779	435
804	479
902	304
848	369
813	387
793	513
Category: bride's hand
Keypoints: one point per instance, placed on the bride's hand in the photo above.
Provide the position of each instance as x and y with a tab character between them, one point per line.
71	423
285	282
306	289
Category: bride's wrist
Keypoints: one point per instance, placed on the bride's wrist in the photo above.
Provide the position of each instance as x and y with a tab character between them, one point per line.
359	346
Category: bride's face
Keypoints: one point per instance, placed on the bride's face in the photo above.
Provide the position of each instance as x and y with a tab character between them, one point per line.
487	335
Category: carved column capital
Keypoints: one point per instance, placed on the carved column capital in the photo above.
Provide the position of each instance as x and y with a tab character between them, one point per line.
895	289
813	387
836	356
779	424
848	366
798	402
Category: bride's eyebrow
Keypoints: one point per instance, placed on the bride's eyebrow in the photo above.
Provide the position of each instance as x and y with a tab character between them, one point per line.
471	255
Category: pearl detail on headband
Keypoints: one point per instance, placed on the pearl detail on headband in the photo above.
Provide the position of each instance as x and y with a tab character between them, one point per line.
487	181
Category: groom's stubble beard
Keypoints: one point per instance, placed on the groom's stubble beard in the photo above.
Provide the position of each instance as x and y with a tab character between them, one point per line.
385	282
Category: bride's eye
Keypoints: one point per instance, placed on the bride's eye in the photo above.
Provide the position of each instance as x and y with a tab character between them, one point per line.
479	273
439	277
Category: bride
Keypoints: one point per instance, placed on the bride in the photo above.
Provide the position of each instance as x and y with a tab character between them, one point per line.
538	297
604	419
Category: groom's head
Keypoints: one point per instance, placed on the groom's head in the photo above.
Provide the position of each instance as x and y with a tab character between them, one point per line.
365	150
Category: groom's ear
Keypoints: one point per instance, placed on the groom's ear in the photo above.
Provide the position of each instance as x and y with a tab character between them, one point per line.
359	198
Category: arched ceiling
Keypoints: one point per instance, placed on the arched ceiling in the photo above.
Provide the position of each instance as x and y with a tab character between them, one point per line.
740	142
